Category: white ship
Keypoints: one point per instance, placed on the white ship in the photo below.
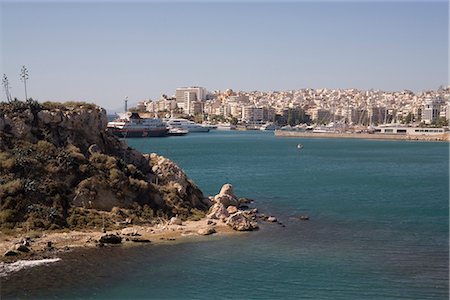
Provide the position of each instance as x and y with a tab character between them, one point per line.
185	124
132	125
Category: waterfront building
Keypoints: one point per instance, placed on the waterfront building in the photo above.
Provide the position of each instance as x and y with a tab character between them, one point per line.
430	111
252	114
409	130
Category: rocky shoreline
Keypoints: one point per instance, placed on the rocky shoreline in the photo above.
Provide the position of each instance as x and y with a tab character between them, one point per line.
227	215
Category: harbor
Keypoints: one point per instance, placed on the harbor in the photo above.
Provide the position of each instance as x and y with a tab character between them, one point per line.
441	137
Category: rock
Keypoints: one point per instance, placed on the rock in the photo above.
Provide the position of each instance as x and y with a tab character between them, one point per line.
11	253
206	231
226	196
227	189
245	201
175	221
232	209
304	218
240	222
129	232
140	240
271	219
110	239
218	211
21	248
209	222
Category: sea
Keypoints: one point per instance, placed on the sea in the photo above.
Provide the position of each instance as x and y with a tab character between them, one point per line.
378	227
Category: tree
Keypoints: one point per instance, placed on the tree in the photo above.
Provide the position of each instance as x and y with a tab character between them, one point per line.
440	122
290	119
409	118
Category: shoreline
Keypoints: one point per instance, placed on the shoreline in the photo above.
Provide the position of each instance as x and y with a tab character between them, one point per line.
135	235
368	136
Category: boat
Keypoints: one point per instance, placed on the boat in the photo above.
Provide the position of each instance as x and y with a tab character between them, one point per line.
132	125
185	124
268	126
177	131
210	126
226	126
299	146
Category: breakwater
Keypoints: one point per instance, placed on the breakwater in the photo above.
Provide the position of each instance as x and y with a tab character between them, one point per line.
369	136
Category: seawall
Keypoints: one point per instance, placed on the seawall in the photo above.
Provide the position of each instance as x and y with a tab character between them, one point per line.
375	136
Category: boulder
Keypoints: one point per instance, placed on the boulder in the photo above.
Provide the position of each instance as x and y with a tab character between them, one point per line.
271	219
218	211
110	239
130	231
11	253
226	196
240	222
175	221
232	209
21	248
206	231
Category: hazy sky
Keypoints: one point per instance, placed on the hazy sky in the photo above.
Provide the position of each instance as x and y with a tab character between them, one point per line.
103	51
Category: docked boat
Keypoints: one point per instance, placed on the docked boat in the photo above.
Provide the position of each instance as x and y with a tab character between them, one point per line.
185	124
268	126
177	131
226	126
132	125
208	125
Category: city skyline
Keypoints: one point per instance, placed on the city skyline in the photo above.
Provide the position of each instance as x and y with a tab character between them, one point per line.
102	52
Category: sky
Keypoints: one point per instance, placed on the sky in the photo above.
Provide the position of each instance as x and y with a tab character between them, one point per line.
103	51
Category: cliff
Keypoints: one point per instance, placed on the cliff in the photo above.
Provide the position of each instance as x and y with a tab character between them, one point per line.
61	168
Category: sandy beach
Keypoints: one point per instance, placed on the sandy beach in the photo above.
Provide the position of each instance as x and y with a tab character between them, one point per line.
38	243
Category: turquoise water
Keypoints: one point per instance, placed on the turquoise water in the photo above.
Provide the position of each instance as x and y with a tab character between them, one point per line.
378	229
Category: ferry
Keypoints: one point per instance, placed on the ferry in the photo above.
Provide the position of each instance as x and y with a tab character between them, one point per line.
132	125
185	124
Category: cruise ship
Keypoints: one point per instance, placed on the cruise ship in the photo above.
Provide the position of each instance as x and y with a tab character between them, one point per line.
185	124
132	125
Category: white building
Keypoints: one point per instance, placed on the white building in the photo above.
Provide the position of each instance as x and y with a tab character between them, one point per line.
186	95
430	111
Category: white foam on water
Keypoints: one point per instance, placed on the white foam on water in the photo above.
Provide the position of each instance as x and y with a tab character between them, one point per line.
7	268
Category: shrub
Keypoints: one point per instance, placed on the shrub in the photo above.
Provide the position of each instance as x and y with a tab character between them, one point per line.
12	188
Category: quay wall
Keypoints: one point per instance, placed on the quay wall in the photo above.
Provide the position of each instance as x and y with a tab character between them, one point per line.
374	136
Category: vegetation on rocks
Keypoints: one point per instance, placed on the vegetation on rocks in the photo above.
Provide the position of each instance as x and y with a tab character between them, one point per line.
61	168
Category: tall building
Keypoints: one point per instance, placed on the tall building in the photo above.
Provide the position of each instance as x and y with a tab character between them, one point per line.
186	95
430	111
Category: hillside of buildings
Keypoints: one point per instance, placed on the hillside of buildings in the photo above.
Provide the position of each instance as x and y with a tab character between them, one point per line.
319	106
61	168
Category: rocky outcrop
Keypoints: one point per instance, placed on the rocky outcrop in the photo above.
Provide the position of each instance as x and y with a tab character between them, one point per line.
56	158
226	196
178	186
241	222
218	211
226	209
